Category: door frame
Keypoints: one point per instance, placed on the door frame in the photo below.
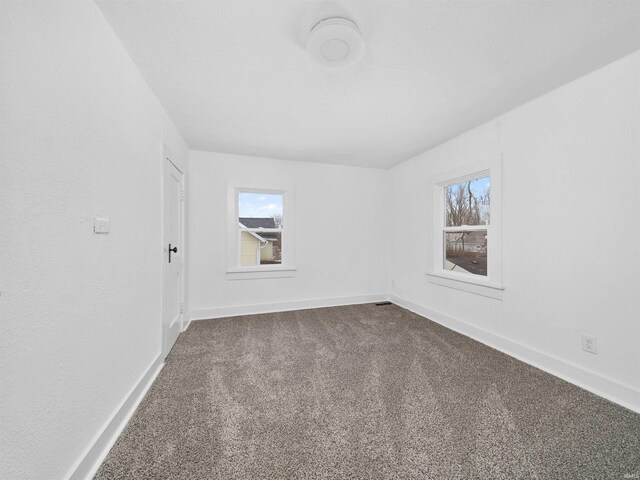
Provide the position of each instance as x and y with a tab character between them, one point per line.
169	157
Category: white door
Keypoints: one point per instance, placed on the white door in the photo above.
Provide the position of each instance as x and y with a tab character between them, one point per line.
173	251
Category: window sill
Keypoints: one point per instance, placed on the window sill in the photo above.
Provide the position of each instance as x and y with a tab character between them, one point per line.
250	273
471	285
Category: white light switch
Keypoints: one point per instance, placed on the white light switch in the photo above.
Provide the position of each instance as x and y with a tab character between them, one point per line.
101	225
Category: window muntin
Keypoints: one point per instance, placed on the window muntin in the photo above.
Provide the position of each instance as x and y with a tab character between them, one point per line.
260	220
466	225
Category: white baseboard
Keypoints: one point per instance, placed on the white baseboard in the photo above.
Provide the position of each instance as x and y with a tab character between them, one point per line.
612	390
87	466
186	323
234	311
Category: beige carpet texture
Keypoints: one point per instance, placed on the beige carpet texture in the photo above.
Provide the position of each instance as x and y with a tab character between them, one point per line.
363	392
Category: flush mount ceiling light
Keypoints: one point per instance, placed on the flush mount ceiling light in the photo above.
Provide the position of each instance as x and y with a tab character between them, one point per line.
335	42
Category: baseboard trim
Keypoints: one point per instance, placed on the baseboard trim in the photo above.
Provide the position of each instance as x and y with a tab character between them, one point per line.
234	311
87	466
186	323
611	390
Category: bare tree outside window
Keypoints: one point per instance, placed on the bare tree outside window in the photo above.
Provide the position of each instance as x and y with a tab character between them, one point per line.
277	219
467	205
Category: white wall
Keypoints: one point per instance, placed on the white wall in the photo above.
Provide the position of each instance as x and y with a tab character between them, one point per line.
571	177
340	234
82	136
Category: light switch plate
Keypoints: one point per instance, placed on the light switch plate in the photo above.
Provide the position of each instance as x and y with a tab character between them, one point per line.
101	225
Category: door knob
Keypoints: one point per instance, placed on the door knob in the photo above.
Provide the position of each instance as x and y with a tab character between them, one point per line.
174	250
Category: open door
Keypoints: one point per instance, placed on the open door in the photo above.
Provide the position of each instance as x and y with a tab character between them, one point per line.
173	254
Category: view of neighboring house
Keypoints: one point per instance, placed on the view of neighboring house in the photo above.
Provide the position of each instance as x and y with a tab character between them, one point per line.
257	247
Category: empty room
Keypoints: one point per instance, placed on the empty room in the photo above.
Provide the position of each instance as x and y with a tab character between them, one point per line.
308	239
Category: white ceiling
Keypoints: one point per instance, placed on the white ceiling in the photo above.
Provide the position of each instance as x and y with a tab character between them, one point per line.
234	75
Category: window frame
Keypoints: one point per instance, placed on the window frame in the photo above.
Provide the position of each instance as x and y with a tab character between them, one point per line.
235	270
490	285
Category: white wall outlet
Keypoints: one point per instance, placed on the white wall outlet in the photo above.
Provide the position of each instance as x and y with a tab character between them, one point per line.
101	225
589	344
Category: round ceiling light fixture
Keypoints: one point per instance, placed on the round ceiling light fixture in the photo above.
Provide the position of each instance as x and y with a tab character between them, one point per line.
335	42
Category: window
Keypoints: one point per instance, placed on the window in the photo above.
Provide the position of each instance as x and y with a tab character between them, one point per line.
466	215
260	232
467	231
260	223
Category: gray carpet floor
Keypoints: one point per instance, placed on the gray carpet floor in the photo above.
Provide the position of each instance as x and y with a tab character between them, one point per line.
363	392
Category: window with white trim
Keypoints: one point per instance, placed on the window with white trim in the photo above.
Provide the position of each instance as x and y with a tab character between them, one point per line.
260	223
467	230
466	225
260	232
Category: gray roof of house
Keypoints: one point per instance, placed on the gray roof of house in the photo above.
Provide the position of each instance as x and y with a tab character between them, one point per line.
255	222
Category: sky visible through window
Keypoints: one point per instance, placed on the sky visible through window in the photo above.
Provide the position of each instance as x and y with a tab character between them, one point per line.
467	203
259	205
479	186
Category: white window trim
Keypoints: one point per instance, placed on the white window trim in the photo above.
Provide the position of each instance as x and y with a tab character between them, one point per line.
491	285
234	270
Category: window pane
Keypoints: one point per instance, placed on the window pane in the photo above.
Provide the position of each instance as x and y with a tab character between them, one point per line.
466	252
256	206
259	211
467	203
260	248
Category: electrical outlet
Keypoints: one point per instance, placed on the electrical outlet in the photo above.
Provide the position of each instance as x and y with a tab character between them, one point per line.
101	225
589	344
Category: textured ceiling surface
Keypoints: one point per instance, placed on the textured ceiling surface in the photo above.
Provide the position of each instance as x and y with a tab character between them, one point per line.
235	77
